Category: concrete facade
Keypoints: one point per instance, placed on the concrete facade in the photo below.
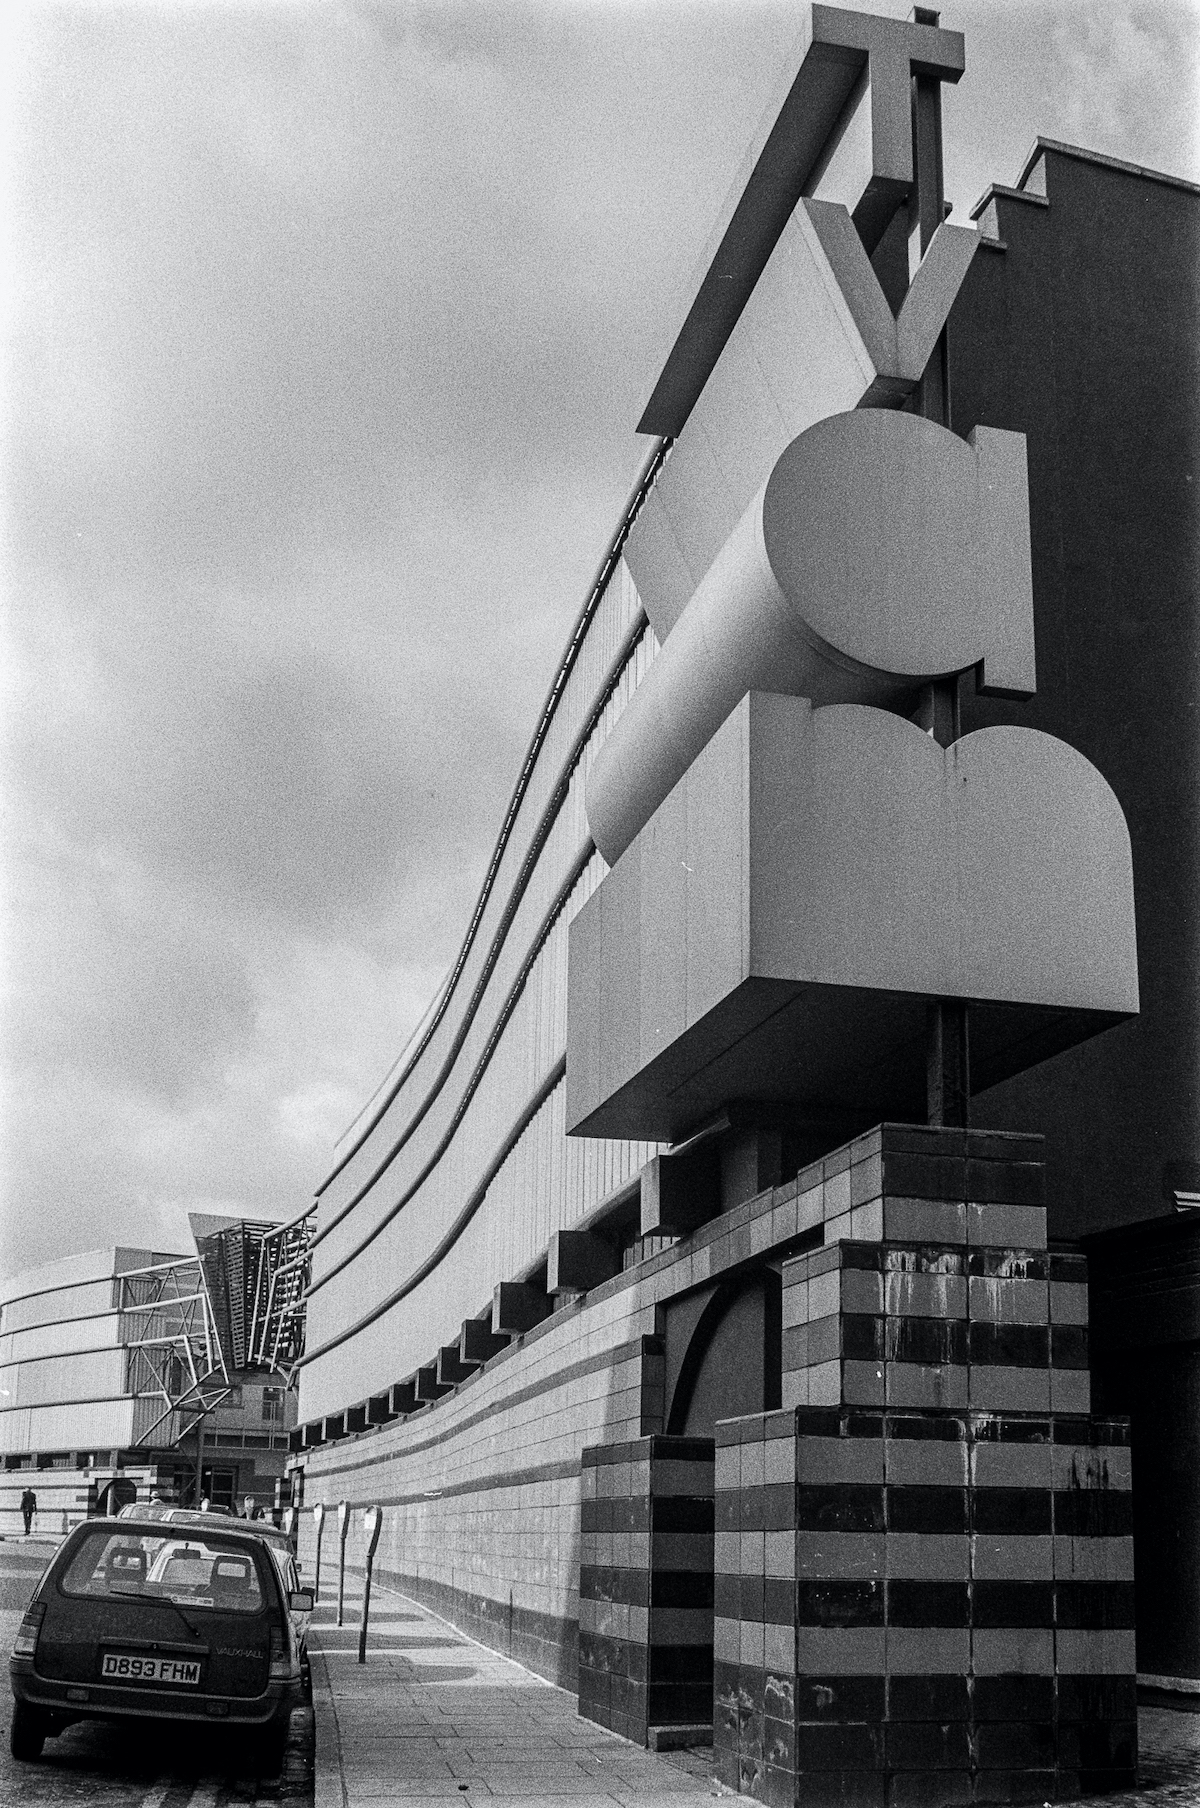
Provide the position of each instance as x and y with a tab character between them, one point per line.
510	1324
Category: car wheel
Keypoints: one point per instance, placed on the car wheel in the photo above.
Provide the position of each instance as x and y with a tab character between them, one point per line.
28	1735
272	1746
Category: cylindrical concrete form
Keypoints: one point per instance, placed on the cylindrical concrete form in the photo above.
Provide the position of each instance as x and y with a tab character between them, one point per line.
881	552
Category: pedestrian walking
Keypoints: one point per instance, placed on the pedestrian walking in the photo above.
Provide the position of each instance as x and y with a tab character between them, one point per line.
28	1509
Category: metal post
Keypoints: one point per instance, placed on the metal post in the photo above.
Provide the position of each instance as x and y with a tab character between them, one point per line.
319	1523
343	1514
947	1042
372	1520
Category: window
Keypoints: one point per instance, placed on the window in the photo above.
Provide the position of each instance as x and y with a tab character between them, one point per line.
272	1405
182	1567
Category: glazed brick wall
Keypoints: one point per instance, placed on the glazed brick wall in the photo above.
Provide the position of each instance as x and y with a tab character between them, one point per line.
646	1585
924	1563
934	1303
481	1491
922	1607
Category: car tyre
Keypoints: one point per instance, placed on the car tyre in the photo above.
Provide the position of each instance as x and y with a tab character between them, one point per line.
28	1734
272	1747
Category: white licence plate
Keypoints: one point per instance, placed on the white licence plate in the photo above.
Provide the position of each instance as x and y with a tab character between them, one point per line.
119	1666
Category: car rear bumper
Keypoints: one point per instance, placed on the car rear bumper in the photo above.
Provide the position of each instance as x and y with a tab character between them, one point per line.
103	1701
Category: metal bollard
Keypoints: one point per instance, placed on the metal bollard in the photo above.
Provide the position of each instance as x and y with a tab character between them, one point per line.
319	1522
343	1514
372	1520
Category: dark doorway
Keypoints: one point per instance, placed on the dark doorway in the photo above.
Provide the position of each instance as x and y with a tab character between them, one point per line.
220	1486
119	1492
731	1365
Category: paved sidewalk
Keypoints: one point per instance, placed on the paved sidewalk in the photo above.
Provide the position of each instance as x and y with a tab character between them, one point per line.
433	1719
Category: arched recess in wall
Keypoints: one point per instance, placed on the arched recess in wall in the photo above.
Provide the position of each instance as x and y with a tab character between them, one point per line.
732	1364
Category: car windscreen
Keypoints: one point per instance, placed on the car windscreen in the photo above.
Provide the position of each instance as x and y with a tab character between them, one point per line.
216	1573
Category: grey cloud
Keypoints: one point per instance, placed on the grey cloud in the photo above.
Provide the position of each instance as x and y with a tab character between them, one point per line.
158	994
283	302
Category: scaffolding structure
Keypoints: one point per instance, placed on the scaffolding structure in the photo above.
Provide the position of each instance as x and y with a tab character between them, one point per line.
190	1325
174	1360
256	1275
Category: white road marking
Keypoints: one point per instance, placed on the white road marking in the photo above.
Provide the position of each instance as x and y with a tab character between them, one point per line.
156	1797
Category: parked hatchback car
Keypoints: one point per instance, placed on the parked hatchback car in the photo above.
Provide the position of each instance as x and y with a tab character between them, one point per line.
143	1619
274	1537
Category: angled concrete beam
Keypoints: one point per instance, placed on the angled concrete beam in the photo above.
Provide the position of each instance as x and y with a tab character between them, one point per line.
578	1260
518	1307
379	1409
334	1427
314	1434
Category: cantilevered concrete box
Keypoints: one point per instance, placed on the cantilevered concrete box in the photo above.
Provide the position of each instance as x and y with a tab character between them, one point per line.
775	930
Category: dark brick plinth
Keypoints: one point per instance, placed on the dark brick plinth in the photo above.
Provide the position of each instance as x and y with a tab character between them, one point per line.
924	1564
646	1585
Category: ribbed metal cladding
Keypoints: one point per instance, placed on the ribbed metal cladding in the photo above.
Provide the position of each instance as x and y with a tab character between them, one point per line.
390	1207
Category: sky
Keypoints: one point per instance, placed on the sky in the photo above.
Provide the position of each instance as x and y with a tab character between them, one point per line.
325	334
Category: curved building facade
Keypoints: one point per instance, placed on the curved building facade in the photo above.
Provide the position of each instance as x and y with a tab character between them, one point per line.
671	1218
456	1179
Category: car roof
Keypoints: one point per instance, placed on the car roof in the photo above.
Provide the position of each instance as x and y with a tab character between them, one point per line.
191	1516
182	1524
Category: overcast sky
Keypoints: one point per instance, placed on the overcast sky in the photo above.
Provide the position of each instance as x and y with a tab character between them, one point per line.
327	333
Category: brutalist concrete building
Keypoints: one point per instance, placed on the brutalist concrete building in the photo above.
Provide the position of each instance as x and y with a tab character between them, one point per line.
767	1298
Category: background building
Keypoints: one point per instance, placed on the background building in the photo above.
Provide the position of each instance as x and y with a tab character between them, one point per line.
120	1376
